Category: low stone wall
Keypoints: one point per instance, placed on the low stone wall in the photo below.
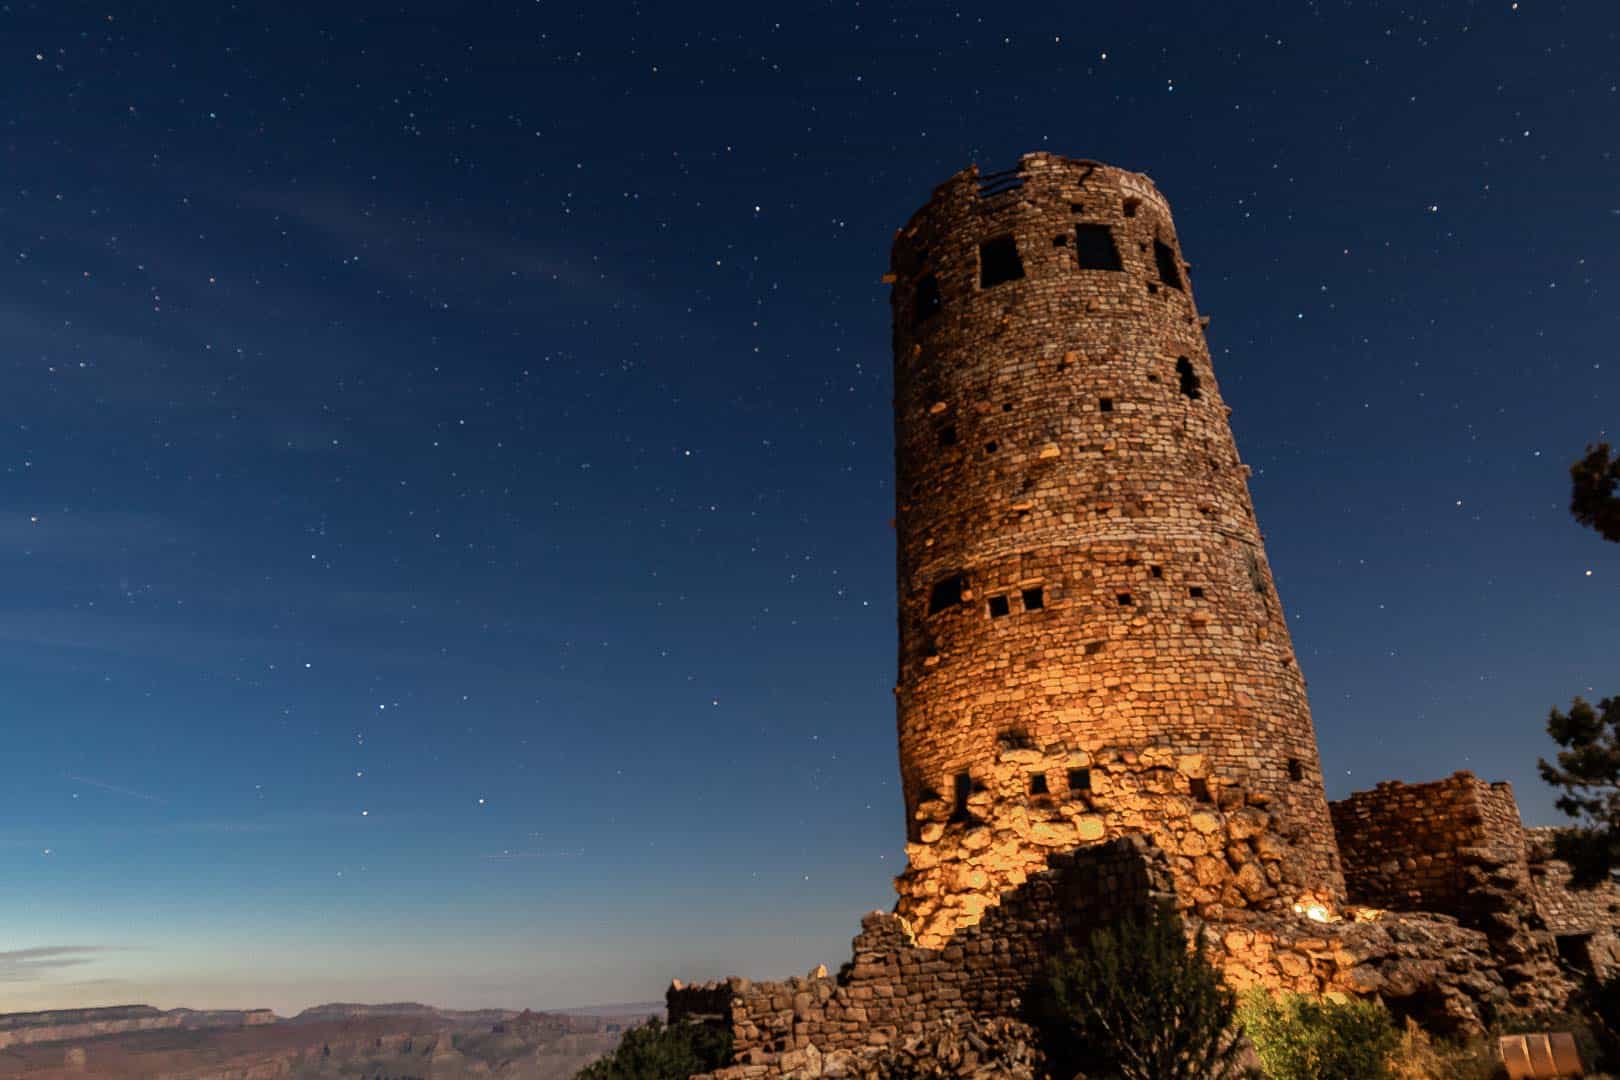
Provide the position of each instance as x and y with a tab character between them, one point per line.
1583	919
894	991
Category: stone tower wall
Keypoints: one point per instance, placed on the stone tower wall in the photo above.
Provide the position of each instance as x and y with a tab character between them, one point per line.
1090	639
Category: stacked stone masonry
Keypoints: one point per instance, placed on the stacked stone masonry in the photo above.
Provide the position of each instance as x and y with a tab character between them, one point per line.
1098	702
1085	600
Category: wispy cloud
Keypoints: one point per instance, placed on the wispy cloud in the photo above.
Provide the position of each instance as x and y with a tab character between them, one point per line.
29	965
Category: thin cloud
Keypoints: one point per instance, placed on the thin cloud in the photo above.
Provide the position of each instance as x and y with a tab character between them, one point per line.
29	965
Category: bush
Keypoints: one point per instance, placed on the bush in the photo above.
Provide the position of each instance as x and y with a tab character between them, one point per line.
1298	1037
1134	1002
1423	1057
659	1051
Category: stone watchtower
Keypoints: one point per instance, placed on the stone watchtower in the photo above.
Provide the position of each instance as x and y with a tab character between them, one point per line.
1090	640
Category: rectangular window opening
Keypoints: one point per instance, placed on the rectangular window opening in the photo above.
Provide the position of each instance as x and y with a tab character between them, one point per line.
1124	599
1200	789
999	607
1037	784
1079	779
925	302
999	262
1105	404
1131	206
1094	647
1191	387
1060	240
1164	256
1034	599
947	435
1296	769
1196	592
1095	249
947	593
963	787
1156	571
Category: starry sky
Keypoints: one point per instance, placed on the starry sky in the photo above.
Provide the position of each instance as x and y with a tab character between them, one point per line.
446	449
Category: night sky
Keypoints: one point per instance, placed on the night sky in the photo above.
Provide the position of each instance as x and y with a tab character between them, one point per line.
446	449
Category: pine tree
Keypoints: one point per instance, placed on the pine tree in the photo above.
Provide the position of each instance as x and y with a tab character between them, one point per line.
1588	771
1595	491
1134	1002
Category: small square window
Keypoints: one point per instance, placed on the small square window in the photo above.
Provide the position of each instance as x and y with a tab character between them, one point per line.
1061	241
1034	599
1296	769
1199	789
1196	592
1124	599
1079	779
947	593
999	607
999	262
1037	784
1105	404
1156	571
1131	206
991	447
1095	249
947	435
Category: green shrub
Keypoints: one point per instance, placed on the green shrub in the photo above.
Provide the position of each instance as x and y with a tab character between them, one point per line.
659	1051
1134	1002
1298	1037
1422	1056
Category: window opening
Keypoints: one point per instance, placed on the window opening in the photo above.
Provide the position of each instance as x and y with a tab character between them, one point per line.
947	435
999	607
1164	256
1156	571
1061	240
1124	599
999	262
1199	788
926	302
1037	784
1190	385
1079	779
964	788
992	446
1105	404
1196	592
1296	769
1034	599
1130	207
947	593
1094	248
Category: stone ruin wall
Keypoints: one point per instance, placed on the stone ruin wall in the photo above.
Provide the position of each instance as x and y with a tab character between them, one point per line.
894	990
1090	638
1584	920
1402	844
